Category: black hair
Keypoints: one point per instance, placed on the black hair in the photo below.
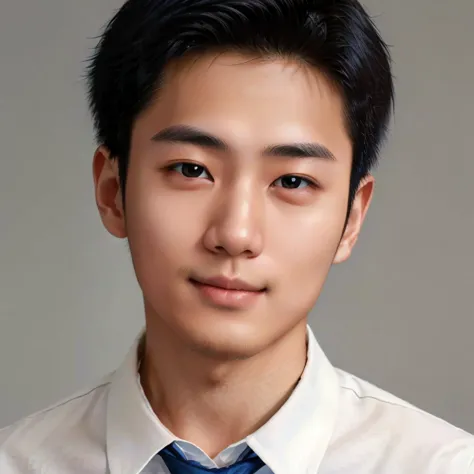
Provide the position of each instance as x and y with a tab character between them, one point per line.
336	36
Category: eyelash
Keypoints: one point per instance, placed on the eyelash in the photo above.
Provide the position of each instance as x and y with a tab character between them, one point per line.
310	183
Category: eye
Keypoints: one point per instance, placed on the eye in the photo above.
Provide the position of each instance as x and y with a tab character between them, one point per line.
293	182
191	170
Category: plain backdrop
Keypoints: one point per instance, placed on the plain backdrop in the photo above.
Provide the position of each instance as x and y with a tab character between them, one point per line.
399	314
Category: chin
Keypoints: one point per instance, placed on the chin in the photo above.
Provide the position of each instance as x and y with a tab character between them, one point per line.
226	340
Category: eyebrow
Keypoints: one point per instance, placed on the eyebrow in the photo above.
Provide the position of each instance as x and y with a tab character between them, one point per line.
195	136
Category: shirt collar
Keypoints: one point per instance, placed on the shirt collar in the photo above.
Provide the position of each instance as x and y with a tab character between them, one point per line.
293	440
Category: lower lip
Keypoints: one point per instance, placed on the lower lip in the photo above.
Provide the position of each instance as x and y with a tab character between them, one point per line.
232	299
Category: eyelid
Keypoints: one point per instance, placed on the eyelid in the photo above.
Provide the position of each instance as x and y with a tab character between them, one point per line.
183	162
313	183
172	167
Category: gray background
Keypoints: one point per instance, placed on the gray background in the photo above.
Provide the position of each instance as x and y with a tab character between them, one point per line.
399	313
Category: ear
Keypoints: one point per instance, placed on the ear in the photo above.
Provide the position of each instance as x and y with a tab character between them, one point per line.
108	194
356	218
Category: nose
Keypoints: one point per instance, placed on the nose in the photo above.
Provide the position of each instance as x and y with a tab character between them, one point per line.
236	224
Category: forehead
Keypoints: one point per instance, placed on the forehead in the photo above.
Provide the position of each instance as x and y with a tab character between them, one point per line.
249	100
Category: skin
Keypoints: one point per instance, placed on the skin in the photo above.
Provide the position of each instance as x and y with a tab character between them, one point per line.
232	368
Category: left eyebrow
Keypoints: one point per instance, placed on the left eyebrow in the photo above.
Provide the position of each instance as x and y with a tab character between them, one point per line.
300	150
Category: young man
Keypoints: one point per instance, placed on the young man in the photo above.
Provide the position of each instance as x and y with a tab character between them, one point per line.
236	143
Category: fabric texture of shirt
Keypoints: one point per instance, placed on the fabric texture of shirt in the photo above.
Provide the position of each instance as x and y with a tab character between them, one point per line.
333	423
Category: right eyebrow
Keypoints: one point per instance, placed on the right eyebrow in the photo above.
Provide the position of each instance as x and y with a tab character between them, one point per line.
190	135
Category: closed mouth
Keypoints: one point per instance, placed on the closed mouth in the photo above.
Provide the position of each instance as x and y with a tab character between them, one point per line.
228	284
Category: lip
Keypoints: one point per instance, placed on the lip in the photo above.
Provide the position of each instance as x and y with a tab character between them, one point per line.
228	283
228	293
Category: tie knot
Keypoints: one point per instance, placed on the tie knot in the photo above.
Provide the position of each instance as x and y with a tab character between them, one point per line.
177	463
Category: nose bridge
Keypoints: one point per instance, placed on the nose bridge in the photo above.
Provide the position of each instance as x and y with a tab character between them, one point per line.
239	218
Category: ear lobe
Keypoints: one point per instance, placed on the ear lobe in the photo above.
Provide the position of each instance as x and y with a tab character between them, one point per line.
108	193
356	219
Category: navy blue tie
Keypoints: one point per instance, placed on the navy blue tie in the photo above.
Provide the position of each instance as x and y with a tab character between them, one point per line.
175	461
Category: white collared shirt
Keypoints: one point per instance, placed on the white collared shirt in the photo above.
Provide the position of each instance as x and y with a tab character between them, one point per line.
333	423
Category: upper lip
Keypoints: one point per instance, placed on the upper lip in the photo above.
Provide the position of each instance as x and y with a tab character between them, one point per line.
228	283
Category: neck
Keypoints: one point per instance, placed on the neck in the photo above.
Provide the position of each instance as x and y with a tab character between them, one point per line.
212	402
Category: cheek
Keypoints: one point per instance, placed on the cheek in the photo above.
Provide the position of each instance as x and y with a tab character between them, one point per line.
161	234
305	249
309	234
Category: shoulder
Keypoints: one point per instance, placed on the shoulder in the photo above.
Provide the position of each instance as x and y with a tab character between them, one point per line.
37	438
400	430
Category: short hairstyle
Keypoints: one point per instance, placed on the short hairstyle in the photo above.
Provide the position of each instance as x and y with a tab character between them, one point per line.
336	36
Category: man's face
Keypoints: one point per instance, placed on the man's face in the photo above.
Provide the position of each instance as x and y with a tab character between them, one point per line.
259	207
